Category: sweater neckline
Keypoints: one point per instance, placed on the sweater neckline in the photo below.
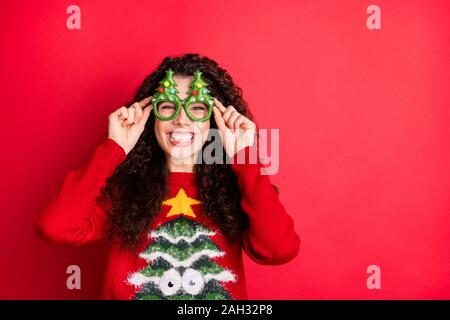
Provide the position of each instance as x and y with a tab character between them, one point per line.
181	177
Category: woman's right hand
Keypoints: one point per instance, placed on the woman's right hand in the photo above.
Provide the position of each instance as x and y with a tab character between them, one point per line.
127	124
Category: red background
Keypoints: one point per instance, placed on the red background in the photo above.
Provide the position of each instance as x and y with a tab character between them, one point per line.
363	118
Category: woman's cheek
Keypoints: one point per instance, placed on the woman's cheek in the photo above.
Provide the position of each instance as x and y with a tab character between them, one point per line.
205	132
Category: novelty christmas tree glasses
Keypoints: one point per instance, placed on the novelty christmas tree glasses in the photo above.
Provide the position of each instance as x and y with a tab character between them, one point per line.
167	104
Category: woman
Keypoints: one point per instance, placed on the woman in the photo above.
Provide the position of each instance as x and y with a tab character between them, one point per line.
177	226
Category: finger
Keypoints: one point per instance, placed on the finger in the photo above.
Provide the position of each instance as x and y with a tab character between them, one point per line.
131	112
122	113
145	116
123	116
219	105
228	112
248	124
138	112
238	122
139	106
219	119
145	101
232	119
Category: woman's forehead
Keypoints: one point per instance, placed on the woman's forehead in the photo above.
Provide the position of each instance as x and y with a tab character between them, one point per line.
183	85
183	80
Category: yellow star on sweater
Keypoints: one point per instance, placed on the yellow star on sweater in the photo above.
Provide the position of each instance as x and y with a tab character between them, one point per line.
181	204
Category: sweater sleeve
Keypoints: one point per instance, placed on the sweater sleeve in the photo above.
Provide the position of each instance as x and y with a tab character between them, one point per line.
72	215
270	238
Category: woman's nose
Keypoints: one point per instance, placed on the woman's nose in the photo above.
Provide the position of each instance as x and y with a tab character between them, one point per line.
182	118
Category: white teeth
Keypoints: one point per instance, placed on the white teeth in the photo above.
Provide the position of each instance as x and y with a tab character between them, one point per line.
181	137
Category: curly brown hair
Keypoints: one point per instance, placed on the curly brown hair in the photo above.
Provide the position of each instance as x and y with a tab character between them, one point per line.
134	202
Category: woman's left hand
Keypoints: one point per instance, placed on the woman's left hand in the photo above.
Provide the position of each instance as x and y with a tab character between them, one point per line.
235	130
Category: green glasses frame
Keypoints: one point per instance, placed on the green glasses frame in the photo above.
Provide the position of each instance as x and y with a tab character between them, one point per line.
167	92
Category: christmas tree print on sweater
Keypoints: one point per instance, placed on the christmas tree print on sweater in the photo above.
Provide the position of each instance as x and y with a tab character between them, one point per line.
180	257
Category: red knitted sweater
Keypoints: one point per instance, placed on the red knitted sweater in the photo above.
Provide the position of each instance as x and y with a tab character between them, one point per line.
183	253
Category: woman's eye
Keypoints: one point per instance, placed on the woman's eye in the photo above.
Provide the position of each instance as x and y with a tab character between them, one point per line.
168	107
199	108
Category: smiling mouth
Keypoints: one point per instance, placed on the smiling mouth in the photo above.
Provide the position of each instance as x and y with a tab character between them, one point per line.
181	138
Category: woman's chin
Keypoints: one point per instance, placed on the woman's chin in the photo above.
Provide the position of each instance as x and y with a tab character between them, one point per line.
181	152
